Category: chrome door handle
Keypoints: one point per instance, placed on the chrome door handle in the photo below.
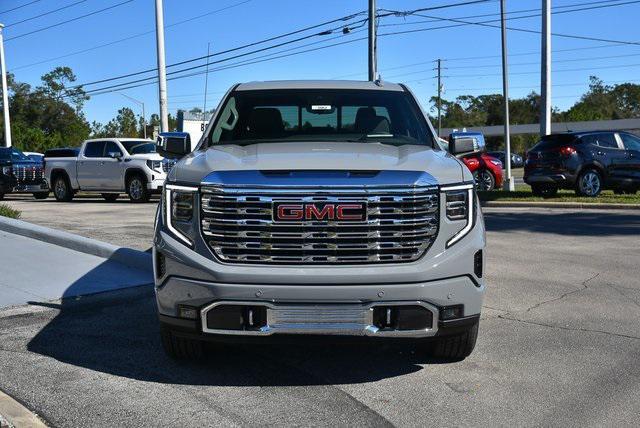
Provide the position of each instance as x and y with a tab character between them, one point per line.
600	153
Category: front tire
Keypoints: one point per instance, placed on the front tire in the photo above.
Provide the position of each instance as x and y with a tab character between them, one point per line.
180	348
589	184
484	179
62	189
137	189
41	195
456	347
110	197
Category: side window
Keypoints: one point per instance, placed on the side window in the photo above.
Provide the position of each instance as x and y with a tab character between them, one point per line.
112	148
589	139
606	140
94	149
631	142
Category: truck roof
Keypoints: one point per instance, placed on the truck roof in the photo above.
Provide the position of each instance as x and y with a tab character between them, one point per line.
318	84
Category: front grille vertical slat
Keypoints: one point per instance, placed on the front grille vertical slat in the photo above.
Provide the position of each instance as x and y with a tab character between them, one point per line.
238	227
28	174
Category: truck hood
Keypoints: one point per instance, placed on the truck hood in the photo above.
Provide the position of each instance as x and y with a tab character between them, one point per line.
320	156
147	156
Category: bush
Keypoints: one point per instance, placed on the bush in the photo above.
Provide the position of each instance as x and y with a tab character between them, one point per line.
7	211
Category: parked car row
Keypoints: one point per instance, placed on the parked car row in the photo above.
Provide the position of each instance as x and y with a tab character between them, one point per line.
587	162
107	166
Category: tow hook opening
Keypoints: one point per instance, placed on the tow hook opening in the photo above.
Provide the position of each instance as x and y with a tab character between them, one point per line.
237	317
410	317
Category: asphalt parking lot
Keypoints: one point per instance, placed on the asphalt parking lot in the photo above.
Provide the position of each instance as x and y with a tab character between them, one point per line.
559	343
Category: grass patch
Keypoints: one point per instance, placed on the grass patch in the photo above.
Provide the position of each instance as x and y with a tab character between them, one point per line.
523	194
7	211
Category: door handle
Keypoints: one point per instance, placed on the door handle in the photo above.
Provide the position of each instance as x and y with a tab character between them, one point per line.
599	153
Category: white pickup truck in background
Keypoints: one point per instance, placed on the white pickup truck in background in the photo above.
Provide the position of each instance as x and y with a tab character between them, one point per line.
108	166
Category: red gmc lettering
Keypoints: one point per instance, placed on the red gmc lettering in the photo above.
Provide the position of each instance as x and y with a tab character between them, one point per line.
343	216
312	211
290	212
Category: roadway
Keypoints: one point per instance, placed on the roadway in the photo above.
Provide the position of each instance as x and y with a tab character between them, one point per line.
558	343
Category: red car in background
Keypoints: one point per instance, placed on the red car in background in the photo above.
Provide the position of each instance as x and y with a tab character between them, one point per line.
487	170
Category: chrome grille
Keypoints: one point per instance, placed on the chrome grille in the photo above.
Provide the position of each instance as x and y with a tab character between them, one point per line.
28	174
237	225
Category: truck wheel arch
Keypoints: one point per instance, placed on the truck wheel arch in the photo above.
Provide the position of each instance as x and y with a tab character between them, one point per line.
131	172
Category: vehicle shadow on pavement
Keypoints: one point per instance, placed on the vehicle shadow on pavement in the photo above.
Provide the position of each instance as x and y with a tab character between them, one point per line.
117	333
566	223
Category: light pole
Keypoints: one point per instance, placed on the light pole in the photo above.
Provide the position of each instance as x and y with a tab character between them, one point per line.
545	75
162	72
509	185
144	118
5	92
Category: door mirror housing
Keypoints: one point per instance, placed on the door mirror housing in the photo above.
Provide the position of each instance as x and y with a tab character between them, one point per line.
115	155
173	145
462	143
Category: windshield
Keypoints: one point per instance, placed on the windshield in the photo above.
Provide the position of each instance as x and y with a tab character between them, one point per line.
12	155
390	117
139	147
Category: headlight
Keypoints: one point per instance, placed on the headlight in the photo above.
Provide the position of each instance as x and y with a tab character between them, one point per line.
496	162
459	208
179	205
154	164
6	170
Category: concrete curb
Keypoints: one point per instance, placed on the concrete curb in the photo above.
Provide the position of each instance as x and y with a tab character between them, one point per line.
17	415
569	205
126	256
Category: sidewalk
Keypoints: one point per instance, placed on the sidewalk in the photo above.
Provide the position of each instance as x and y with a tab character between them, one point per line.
33	270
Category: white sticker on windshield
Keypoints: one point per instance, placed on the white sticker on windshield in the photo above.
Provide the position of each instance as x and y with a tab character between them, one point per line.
320	107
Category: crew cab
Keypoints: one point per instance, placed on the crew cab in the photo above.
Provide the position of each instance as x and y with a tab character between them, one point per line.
108	166
318	208
19	174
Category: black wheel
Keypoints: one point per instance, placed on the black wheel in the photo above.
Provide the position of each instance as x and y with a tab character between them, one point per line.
110	197
544	190
484	179
137	189
180	348
62	189
41	195
456	347
589	183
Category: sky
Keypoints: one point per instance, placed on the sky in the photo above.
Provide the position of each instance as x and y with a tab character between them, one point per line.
121	40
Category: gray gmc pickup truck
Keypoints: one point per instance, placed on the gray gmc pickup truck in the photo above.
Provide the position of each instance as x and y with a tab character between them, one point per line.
319	208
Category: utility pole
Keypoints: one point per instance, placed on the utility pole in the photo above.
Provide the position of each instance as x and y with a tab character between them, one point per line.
509	185
373	61
162	72
206	88
144	117
545	72
5	92
439	96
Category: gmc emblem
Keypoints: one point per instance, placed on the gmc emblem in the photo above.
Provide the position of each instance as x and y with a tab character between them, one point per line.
319	211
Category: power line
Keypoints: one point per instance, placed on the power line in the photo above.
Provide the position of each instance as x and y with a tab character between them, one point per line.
67	21
321	33
134	36
20	7
44	14
461	23
557	85
277	37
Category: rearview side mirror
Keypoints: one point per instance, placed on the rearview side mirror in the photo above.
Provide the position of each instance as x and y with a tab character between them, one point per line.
465	144
173	145
115	155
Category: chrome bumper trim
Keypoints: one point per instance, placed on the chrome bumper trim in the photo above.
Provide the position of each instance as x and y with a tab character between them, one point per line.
322	319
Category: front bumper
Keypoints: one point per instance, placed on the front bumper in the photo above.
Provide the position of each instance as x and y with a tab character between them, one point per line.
443	277
155	184
31	187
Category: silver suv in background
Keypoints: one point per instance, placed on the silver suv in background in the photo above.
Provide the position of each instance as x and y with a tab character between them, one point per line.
108	166
319	208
